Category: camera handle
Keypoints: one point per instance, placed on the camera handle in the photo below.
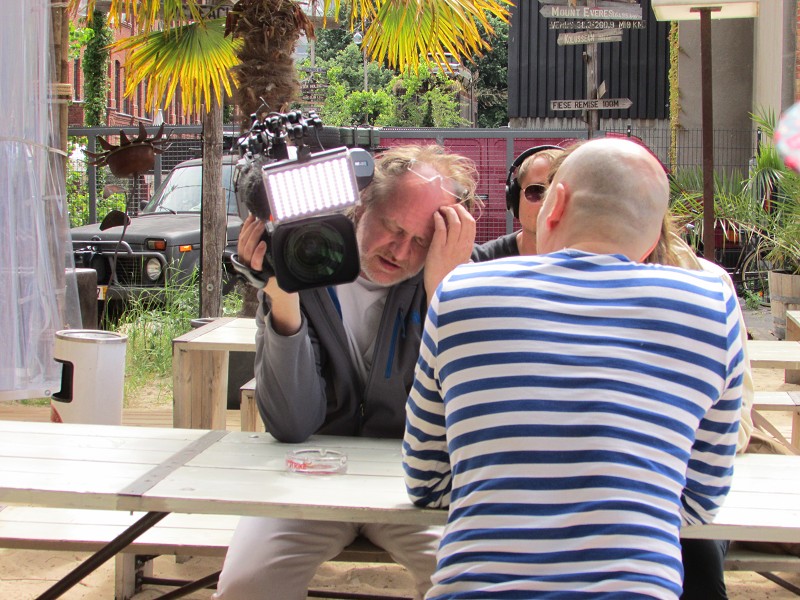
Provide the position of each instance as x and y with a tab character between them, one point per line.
258	279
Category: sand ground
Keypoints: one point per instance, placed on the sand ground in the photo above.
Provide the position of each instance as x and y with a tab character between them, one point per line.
26	574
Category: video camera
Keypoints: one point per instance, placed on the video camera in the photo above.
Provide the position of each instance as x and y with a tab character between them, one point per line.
301	196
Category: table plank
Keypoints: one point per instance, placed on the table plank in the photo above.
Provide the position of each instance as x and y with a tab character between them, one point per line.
235	335
773	354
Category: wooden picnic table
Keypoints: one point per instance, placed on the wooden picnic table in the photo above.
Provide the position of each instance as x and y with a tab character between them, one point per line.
200	370
161	470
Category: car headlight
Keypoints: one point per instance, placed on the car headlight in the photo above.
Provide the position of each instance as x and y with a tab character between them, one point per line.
152	269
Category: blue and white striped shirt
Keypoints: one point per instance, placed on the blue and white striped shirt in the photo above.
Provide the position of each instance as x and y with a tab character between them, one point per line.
573	411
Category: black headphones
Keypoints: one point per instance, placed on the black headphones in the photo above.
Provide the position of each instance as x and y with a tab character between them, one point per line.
512	186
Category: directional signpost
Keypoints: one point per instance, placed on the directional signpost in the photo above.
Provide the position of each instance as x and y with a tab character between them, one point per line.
589	37
621	12
584	24
601	21
592	104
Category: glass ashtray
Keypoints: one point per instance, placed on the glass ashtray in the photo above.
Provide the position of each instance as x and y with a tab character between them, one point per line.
316	461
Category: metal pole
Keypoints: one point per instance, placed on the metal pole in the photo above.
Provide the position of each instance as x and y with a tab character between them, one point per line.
91	174
708	132
366	79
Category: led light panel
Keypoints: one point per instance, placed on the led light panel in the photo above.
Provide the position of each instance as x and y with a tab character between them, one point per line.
300	189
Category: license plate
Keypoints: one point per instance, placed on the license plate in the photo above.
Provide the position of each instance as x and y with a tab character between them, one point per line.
102	291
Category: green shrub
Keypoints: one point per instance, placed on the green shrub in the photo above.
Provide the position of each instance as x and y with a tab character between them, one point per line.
151	325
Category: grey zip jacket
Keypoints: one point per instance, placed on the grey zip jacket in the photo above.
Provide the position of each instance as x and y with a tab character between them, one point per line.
306	383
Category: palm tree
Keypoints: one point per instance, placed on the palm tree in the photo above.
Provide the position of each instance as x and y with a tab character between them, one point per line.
187	42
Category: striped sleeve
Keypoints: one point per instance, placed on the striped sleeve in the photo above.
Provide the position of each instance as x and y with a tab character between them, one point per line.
710	469
425	457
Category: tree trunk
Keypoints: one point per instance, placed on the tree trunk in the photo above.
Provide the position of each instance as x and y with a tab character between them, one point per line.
213	227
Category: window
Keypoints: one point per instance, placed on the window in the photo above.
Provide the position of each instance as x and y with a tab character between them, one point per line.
117	83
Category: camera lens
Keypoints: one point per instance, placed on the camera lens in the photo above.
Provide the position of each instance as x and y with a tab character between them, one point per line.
314	251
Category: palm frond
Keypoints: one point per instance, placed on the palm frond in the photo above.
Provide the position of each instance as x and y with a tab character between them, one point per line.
197	56
410	32
150	15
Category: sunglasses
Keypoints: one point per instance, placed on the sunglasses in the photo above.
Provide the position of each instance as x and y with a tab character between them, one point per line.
535	192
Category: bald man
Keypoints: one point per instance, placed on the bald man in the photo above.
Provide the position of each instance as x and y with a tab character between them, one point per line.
560	398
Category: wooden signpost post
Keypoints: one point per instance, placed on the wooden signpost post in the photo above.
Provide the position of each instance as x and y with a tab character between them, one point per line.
602	21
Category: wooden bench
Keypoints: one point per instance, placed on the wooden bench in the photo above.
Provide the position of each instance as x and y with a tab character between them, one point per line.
78	530
782	402
55	529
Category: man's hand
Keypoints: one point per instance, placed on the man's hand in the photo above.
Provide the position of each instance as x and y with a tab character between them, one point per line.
453	239
252	250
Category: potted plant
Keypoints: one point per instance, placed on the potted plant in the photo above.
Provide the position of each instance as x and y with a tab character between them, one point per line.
779	186
741	222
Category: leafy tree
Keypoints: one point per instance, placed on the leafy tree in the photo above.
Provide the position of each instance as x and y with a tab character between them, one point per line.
376	107
426	98
332	41
491	81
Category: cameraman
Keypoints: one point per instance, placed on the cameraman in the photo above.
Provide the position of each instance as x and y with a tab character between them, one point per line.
340	360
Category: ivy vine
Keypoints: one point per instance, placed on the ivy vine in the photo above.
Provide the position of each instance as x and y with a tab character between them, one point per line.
95	71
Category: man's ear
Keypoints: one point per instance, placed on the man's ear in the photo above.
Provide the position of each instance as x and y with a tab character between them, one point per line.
558	202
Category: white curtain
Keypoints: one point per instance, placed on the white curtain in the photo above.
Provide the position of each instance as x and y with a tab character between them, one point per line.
37	295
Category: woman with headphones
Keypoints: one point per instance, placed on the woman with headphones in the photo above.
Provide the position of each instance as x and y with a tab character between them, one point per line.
526	184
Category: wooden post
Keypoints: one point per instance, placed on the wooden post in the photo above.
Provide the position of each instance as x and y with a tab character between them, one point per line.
590	57
213	225
592	116
708	131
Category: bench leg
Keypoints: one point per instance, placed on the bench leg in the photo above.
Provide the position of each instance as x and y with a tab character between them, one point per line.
796	430
781	582
128	571
91	564
248	411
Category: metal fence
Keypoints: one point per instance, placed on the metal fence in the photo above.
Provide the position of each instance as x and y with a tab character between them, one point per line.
185	142
733	148
493	150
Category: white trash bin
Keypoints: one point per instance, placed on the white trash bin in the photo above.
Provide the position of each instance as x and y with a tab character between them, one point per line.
92	378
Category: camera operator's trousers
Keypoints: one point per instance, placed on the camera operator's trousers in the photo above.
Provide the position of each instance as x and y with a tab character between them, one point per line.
276	559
